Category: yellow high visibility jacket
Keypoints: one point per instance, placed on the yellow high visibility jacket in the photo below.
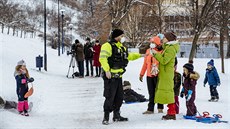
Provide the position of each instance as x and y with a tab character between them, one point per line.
106	52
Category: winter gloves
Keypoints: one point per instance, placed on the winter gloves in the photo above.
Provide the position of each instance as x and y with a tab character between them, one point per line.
188	96
30	79
141	78
182	93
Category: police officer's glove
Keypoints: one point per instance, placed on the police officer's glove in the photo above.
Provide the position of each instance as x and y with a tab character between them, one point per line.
189	95
141	78
108	74
218	84
182	93
204	85
30	79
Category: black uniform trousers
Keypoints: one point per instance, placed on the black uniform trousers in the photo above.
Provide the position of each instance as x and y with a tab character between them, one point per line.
152	83
113	93
89	63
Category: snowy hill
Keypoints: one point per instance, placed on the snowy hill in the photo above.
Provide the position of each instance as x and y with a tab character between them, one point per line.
62	103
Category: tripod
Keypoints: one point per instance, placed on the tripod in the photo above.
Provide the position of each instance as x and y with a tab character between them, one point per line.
72	63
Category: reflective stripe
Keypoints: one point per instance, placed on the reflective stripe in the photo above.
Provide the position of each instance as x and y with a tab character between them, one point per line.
105	52
103	56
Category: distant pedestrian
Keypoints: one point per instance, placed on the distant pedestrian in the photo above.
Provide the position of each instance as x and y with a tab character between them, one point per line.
96	53
88	51
78	50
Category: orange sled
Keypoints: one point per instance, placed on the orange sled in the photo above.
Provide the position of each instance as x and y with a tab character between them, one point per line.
29	93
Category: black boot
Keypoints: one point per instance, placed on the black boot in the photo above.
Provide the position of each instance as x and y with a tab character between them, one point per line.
106	118
118	117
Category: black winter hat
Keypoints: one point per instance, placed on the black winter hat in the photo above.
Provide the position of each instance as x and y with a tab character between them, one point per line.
116	33
170	36
77	41
87	39
189	66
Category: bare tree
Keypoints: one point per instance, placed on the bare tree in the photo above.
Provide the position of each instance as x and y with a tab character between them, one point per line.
202	15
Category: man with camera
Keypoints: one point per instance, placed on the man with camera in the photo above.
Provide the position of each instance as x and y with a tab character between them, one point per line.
78	52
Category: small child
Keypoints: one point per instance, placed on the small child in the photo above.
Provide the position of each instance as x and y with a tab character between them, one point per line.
213	80
22	79
130	95
177	84
189	88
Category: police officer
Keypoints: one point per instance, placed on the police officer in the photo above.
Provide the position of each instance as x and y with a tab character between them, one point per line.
114	58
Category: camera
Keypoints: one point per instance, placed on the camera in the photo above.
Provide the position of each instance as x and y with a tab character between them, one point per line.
70	52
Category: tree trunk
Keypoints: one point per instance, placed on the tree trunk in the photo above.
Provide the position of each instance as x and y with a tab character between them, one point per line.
194	44
13	30
8	32
228	43
2	27
21	33
222	49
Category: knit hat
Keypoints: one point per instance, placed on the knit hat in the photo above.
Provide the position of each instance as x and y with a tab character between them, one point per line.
87	39
189	66
116	33
211	62
126	85
21	62
156	40
77	41
170	36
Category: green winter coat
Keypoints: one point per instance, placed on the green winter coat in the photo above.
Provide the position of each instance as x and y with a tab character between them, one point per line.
164	91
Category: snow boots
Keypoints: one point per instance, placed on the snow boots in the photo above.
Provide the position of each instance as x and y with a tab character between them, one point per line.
169	117
106	118
118	117
214	99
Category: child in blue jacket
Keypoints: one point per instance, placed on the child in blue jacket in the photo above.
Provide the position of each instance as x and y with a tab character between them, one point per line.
213	80
22	79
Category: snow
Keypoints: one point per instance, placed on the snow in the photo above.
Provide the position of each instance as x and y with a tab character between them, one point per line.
62	103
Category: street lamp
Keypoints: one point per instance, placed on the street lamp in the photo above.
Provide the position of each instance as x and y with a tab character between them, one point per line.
62	16
58	31
45	55
71	28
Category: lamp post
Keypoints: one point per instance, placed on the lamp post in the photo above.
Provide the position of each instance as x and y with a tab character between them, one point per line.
45	55
62	16
58	31
71	28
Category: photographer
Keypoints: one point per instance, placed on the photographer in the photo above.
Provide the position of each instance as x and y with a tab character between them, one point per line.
78	52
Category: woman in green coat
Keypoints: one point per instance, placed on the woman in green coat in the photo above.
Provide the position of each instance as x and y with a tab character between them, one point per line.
164	91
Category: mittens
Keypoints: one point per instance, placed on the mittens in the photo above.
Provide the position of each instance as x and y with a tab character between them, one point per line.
182	93
189	95
30	79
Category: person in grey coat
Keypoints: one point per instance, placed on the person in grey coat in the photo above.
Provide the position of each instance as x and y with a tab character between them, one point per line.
5	104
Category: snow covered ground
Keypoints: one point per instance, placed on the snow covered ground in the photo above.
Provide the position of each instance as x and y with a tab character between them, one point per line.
62	103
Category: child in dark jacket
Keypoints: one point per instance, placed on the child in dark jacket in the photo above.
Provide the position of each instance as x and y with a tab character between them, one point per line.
130	95
189	88
177	84
22	79
213	80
